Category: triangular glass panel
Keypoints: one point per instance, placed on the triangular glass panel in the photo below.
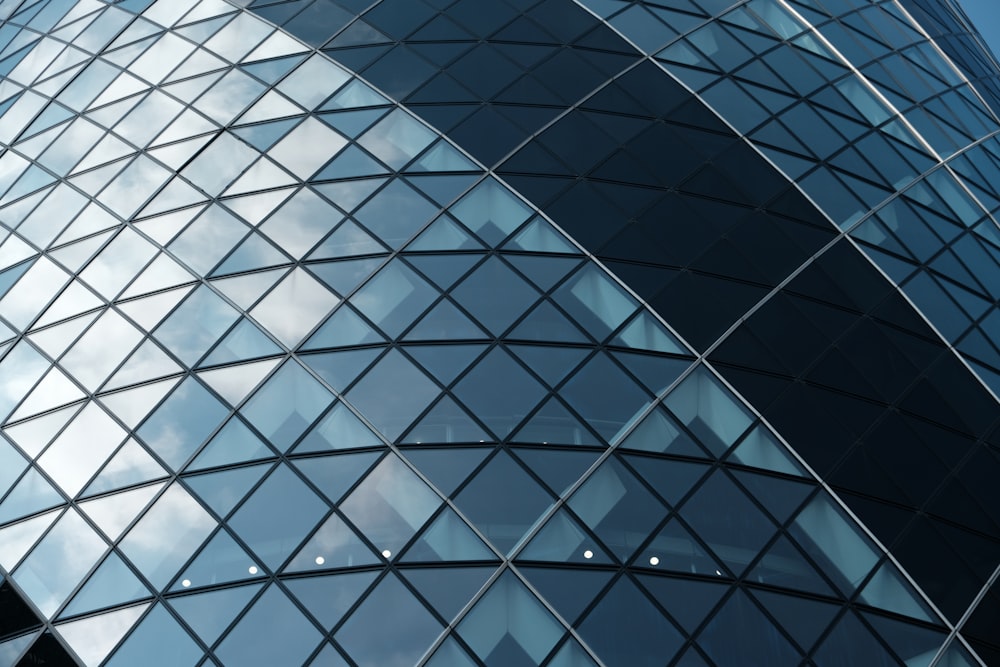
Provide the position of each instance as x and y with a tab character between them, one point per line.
234	383
18	538
784	565
349	194
832	539
234	443
491	211
30	495
760	449
443	188
689	601
444	270
740	616
264	135
255	207
210	613
394	298
348	240
278	515
253	253
851	643
655	372
221	561
340	369
554	424
32	435
509	626
447	467
558	468
344	276
617	507
334	545
495	295
269	71
804	619
223	490
441	156
450	654
543	270
444	234
273	632
390	505
160	635
674	549
501	390
339	429
112	584
571	655
710	411
329	598
659	433
447	539
390	604
563	540
93	638
888	590
352	123
732	525
644	332
502	515
355	94
669	478
182	423
553	364
148	362
780	497
244	290
344	328
914	644
244	341
540	236
445	362
329	657
546	324
350	163
114	513
11	649
445	423
463	584
335	475
131	465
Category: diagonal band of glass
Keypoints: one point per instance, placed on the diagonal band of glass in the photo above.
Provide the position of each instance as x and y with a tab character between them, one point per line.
563	333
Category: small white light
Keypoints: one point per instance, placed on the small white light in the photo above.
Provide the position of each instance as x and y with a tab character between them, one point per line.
588	554
186	583
252	569
386	554
653	560
718	573
320	560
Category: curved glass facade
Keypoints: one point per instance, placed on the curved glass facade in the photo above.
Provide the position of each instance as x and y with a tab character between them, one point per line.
525	332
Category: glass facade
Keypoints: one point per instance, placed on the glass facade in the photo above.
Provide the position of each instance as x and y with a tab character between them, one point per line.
575	333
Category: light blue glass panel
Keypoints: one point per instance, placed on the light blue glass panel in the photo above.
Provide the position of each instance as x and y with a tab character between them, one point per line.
334	545
839	547
196	325
510	626
209	614
245	341
234	443
111	584
21	368
397	139
159	543
491	211
390	605
32	494
329	598
182	422
394	298
277	517
390	505
339	429
393	394
702	404
595	301
287	405
158	641
46	576
221	561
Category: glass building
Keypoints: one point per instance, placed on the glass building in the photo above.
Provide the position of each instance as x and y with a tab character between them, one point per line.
452	333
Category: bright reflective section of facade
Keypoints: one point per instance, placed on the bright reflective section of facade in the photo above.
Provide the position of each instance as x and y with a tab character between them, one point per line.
456	333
